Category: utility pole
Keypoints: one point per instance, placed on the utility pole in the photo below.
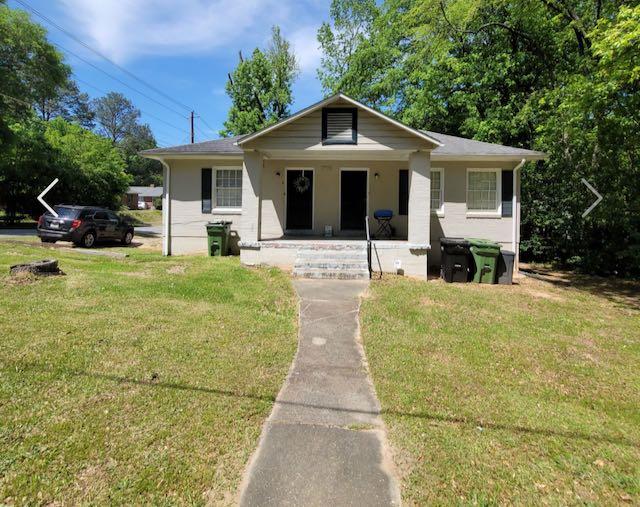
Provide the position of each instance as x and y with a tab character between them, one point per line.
192	137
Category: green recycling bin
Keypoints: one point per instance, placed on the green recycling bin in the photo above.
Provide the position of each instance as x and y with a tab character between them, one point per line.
218	237
485	256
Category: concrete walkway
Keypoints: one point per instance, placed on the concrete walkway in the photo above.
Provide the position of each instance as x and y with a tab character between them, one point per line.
324	442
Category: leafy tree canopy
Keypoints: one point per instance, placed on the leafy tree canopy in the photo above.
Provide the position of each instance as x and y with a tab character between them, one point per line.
116	116
555	75
30	67
260	87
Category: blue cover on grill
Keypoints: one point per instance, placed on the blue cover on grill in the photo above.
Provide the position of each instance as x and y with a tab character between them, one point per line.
383	213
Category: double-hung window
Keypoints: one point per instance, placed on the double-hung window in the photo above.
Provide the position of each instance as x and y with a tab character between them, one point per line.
228	189
221	190
437	191
484	192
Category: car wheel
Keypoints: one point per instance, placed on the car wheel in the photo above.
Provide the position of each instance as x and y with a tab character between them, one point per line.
89	239
127	238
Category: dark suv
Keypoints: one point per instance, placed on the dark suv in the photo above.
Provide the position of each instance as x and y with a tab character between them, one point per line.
84	225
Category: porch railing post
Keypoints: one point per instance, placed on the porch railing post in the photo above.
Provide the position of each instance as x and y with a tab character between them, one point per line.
366	228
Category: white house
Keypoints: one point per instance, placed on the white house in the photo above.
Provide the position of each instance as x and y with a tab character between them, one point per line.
323	170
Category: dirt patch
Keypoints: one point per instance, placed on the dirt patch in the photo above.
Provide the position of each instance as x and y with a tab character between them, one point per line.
176	270
545	295
22	278
427	301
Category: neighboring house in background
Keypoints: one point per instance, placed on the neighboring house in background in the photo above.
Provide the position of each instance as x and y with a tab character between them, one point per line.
141	197
330	165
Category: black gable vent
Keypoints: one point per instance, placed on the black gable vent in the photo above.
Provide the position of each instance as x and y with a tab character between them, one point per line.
339	126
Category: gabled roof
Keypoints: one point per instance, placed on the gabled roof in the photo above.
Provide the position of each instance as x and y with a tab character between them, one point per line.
331	100
447	147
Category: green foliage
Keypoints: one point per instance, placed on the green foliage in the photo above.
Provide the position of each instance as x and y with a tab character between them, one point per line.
95	171
30	68
68	103
260	87
554	75
116	116
144	171
352	20
90	168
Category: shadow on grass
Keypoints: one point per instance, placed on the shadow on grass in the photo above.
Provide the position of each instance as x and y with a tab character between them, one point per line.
102	245
623	293
544	432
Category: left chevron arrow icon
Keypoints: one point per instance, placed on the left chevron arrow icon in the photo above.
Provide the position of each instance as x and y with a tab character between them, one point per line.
43	193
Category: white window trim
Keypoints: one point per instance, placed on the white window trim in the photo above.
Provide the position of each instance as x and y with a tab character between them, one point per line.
497	213
440	211
223	210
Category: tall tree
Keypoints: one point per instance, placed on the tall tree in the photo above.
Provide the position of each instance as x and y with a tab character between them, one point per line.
351	27
144	171
260	87
68	103
555	75
30	67
116	116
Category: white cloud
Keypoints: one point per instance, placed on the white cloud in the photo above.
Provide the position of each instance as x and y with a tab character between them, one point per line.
126	30
307	48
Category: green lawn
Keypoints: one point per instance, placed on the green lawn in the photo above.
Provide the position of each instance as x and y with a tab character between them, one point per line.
144	216
143	380
524	395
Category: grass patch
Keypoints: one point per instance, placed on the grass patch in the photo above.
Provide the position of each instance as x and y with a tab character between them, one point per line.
522	395
137	381
143	216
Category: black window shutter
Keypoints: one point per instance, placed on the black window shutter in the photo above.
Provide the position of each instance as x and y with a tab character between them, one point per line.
507	193
403	194
207	187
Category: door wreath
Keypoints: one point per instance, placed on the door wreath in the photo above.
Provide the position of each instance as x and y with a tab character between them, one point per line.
302	183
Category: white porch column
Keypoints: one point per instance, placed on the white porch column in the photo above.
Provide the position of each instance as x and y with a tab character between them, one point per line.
419	199
249	229
166	208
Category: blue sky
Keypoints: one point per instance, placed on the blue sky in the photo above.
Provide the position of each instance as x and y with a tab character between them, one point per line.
183	47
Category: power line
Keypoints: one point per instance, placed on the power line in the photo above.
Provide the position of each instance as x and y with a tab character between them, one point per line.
212	130
117	79
143	112
101	55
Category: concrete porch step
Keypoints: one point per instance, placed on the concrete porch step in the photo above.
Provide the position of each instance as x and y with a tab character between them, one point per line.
341	274
330	264
346	264
360	254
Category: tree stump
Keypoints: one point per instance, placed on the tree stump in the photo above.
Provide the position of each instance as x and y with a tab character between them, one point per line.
45	267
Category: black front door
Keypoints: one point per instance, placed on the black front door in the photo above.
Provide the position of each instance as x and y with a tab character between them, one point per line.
299	200
353	200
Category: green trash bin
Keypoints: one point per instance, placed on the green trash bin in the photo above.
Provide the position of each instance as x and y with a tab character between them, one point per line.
485	256
218	237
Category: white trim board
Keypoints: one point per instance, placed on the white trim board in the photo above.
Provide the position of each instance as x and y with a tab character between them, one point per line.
492	213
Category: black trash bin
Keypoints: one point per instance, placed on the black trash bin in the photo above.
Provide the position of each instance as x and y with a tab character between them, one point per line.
506	261
455	260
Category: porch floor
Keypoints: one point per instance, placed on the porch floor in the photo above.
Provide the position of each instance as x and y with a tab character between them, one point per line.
301	242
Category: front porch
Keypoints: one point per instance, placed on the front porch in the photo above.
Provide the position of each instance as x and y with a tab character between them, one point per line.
322	204
387	255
